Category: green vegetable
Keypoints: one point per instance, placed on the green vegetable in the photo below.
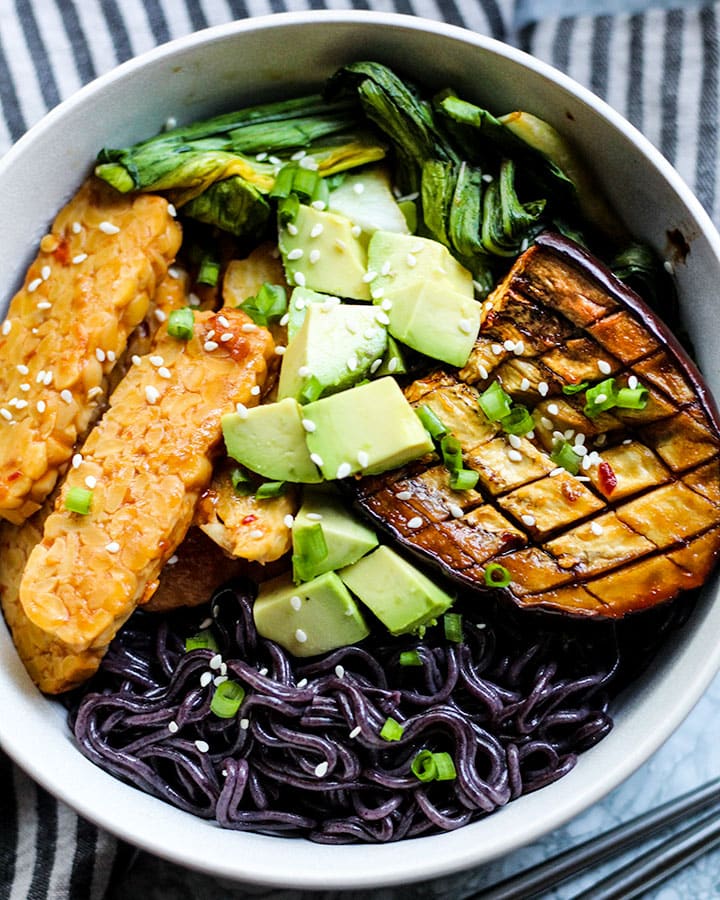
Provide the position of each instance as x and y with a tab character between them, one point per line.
309	549
517	421
452	625
570	389
227	699
269	305
563	455
392	730
78	500
431	423
428	766
497	575
463	480
410	658
232	204
600	397
495	403
203	640
180	323
632	398
508	225
209	270
241	482
269	489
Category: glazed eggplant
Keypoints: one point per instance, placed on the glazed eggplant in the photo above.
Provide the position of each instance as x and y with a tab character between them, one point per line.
591	442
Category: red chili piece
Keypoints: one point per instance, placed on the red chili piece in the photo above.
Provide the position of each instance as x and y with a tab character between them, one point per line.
608	478
248	520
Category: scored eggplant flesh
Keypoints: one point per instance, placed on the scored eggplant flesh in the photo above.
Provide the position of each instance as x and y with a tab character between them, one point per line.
640	521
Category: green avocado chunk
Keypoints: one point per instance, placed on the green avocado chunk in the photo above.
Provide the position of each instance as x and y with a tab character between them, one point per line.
346	537
369	428
395	591
326	252
429	294
309	618
299	301
334	348
270	440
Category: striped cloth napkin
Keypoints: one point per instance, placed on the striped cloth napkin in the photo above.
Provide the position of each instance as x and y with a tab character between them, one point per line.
655	61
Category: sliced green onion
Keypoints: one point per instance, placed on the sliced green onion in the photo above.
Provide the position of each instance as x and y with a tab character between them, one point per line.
451	450
284	181
270	489
78	500
494	402
497	575
600	397
227	699
203	640
632	398
518	421
431	423
270	303
410	658
564	455
241	482
575	388
428	766
463	480
288	209
392	730
209	271
305	183
180	323
321	194
312	388
452	625
309	549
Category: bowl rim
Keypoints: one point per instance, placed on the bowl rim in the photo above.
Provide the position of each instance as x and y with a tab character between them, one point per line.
399	863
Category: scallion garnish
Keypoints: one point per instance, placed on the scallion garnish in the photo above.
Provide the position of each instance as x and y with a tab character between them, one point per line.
180	323
227	699
494	402
410	658
284	181
241	482
463	480
305	183
392	730
309	550
497	575
600	397
632	398
564	455
209	271
451	450
269	489
517	421
570	389
312	388
428	766
269	304
203	640
452	625
78	500
431	423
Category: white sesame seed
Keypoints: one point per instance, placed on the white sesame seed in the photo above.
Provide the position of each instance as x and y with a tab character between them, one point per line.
509	346
483	372
45	272
25	387
415	522
241	410
546	423
216	661
76	228
356	231
296	602
497	349
528	520
205	679
164	372
48	378
160	315
580	438
300	636
317	459
377	292
292	230
466	326
601	398
519	348
288	520
173	727
340	671
34	285
382	317
375	365
66	395
41	406
283	321
108	228
173	560
403	495
244	724
172	212
256	534
569	434
669	267
307	162
300	279
387	305
6	326
515	455
344	469
358	187
280	350
363	458
314	517
174	272
515	441
6	414
543	388
136	360
352	363
580	450
91	482
604	366
209	346
314	256
455	510
255	390
632	382
586	463
321	769
553	409
317	230
99	354
411	260
44	304
309	425
202	746
525	384
296	253
248	327
355	732
557	471
302	683
206	623
219	679
112	547
152	394
80	258
156	361
596	528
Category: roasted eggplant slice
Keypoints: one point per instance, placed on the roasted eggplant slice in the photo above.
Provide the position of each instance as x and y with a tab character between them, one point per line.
610	503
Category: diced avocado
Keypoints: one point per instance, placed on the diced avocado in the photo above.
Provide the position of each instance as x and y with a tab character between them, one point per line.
430	294
309	618
300	299
366	198
270	440
346	537
395	591
326	252
335	348
369	428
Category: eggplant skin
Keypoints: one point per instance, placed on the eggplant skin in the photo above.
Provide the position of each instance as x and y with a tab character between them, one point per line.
638	523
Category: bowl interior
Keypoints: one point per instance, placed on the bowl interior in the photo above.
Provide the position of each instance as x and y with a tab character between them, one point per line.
248	62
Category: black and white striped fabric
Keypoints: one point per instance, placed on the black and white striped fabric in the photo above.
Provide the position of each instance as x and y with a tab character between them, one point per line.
656	61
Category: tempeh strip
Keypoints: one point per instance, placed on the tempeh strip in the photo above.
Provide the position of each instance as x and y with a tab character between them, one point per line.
88	288
147	462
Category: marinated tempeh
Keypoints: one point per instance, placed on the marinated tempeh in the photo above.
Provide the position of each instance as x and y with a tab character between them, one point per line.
146	462
637	522
88	288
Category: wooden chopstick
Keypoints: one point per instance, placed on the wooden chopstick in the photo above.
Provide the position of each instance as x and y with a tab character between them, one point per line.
559	868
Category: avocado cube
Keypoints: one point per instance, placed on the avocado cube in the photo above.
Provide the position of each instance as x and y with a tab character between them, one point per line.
403	262
346	537
326	252
334	348
310	618
300	299
270	440
401	596
369	428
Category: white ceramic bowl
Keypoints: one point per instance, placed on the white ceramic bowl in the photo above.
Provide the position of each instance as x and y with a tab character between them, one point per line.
258	59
